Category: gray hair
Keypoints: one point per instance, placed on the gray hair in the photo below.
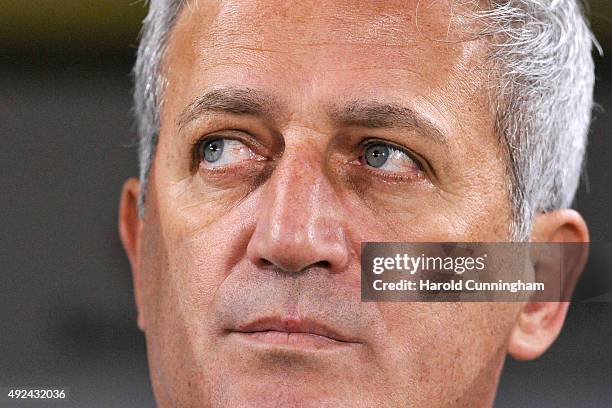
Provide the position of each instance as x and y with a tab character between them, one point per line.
542	105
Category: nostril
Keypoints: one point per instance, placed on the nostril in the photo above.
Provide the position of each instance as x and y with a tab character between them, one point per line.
264	263
322	265
288	266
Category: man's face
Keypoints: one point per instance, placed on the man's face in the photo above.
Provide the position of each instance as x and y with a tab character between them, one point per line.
289	135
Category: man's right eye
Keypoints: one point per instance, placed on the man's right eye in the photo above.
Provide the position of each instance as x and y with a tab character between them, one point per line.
220	152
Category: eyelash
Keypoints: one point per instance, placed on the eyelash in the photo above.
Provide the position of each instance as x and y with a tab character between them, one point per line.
196	147
370	142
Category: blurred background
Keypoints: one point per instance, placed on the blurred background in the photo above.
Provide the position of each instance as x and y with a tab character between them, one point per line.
67	317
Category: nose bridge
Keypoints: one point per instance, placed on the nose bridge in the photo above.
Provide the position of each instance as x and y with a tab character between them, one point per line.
299	223
297	195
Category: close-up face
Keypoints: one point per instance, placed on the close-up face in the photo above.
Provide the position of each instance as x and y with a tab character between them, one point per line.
290	134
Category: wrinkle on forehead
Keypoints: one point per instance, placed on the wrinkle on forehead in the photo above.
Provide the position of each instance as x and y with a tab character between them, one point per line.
321	22
248	33
423	49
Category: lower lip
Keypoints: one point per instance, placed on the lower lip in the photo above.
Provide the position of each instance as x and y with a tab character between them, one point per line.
279	339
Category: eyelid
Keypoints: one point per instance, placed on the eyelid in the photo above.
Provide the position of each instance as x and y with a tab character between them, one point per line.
230	134
413	156
243	136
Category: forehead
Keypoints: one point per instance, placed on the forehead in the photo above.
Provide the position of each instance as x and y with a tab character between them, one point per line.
305	46
326	22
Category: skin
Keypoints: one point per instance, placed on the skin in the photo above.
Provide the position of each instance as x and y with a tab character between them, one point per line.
275	232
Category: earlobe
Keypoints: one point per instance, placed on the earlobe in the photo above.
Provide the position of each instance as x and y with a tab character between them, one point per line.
537	327
539	323
130	226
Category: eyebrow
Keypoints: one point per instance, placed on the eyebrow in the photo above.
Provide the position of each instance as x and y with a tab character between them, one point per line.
239	101
362	113
375	114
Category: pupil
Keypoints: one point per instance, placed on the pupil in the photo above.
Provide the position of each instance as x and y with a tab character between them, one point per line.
376	155
213	150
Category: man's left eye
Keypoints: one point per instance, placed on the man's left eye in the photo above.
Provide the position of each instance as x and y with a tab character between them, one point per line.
222	152
387	157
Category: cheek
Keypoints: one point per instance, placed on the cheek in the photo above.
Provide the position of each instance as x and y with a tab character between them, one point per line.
439	219
184	263
192	252
446	348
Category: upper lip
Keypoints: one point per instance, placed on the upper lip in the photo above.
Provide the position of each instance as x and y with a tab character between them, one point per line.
288	325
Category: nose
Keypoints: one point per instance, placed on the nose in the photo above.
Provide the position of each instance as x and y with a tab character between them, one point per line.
299	225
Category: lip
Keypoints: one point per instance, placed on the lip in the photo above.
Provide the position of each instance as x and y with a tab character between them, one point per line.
292	333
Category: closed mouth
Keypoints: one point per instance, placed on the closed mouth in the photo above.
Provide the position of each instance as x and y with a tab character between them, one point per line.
293	333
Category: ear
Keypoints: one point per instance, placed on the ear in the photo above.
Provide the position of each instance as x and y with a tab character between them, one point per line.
539	323
130	227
